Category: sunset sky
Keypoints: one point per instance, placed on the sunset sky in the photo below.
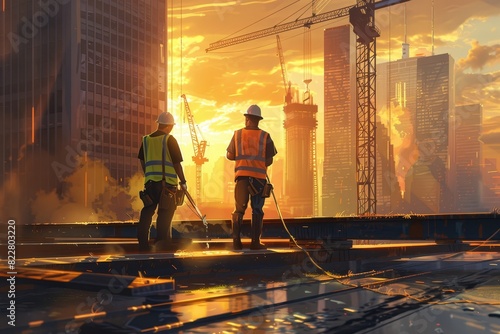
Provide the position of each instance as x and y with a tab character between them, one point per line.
221	84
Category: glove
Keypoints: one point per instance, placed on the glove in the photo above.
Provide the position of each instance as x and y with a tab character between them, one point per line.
183	185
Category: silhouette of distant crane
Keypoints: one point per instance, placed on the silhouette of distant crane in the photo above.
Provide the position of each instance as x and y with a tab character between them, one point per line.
199	148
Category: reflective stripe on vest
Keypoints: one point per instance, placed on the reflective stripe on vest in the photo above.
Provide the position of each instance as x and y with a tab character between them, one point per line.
154	148
250	155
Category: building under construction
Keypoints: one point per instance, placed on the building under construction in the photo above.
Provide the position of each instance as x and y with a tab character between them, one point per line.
300	178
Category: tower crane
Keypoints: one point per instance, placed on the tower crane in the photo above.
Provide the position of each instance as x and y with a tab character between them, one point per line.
362	18
198	147
286	83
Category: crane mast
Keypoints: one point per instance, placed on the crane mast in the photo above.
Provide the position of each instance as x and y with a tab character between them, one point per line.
362	18
199	147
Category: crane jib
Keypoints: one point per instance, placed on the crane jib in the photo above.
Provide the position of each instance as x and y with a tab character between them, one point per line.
306	22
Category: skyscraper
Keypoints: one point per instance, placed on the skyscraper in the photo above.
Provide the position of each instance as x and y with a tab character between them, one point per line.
418	106
339	193
396	107
468	157
82	81
490	196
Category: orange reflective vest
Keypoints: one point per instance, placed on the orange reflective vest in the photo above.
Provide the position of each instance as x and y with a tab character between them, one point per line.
250	155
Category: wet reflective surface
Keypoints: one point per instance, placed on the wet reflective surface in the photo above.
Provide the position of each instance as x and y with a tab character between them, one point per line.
447	293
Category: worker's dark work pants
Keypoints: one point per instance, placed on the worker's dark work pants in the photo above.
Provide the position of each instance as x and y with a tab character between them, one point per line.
242	195
163	221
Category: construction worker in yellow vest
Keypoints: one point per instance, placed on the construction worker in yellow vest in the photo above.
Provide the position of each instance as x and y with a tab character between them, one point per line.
161	159
253	150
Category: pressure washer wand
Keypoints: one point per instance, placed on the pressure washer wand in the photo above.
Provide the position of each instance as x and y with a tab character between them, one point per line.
198	212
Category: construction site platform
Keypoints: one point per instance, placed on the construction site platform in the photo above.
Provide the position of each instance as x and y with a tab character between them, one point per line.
85	261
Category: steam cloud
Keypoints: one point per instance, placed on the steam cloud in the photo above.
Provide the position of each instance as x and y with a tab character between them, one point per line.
403	140
106	200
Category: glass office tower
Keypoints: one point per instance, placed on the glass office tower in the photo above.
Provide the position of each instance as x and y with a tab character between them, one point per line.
417	97
82	82
339	194
468	157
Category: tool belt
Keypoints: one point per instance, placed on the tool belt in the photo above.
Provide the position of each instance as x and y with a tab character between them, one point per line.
168	196
266	191
256	186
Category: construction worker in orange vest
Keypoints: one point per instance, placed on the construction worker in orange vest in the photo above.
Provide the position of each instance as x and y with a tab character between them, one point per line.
253	150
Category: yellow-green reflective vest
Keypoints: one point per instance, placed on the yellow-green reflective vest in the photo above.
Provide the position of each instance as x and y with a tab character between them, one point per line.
154	149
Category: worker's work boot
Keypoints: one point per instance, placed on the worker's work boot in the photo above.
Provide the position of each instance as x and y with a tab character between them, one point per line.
236	220
257	222
143	238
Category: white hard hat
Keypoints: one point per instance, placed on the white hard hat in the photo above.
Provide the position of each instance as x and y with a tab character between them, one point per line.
165	118
254	110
